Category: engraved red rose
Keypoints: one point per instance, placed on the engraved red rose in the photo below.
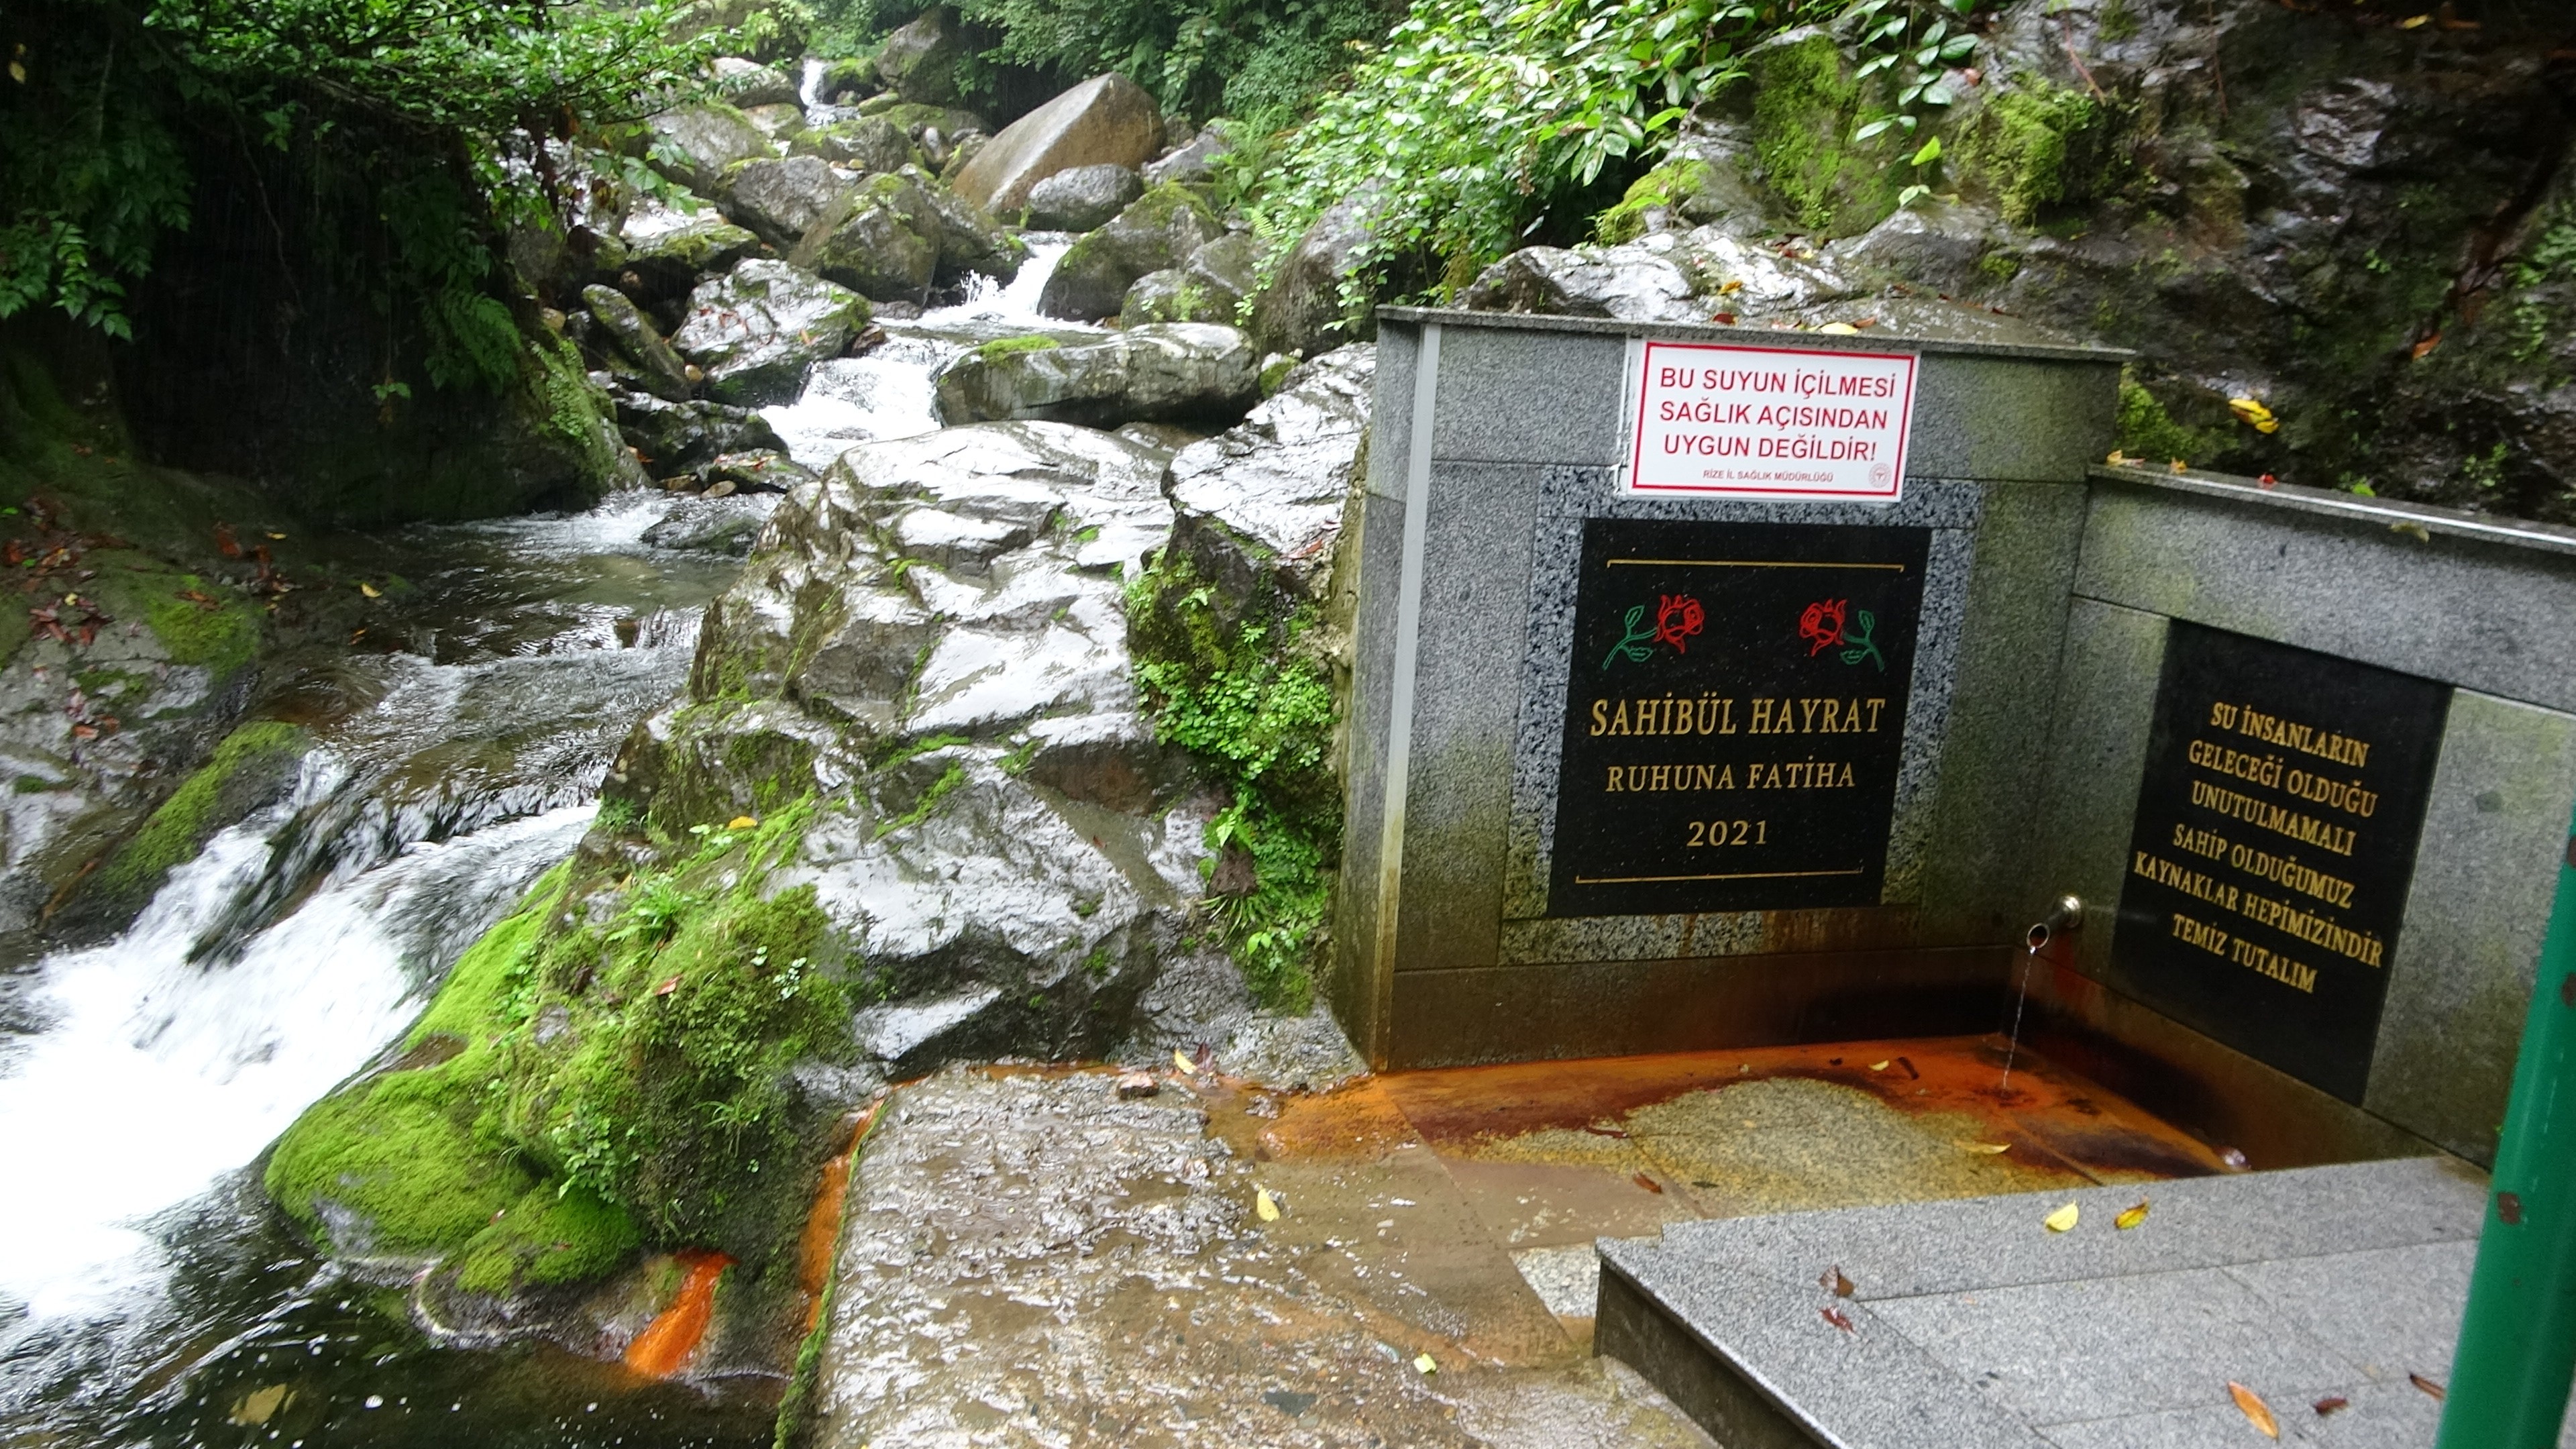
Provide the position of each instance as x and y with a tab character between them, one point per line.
1823	627
1677	618
1822	623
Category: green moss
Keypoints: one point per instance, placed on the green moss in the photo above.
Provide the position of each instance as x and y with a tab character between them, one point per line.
244	766
399	1158
221	638
1663	188
949	779
562	1234
405	1150
571	408
2146	430
1246	696
1803	107
2036	146
1001	347
622	1079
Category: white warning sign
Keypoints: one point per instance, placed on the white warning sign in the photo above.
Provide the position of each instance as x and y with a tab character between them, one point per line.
1771	423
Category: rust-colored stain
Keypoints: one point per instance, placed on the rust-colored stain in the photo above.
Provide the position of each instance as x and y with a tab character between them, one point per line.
823	1222
667	1342
1353	1121
2048	1113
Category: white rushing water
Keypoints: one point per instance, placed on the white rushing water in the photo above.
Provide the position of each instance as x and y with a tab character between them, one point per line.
300	943
158	1074
885	392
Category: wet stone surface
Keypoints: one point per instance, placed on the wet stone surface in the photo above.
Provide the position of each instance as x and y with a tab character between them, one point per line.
1035	1259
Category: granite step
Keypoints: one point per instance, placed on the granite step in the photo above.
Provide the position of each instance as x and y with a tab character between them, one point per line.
1972	1324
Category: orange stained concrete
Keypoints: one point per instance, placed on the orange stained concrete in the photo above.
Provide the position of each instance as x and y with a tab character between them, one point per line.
1552	1154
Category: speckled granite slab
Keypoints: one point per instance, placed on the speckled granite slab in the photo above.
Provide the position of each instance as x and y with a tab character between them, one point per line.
1972	1324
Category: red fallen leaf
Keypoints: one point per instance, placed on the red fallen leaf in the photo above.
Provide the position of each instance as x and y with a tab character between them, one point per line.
1725	319
2420	349
2267	481
1833	1281
201	599
1648	1183
1838	1319
2330	1403
225	543
667	987
2428	1386
84	732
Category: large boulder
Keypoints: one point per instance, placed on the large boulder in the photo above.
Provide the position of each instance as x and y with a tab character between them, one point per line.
866	143
1107	119
893	237
667	248
1629	283
1163	228
970	241
781	199
671	439
697	144
748	83
1083	197
1158	373
1258	508
1210	287
1191	163
759	328
655	363
919	60
1302	310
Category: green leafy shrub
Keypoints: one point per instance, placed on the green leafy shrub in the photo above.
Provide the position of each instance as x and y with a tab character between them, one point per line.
1245	696
1473	124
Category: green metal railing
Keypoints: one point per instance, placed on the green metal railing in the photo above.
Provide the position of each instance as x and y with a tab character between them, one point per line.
2509	1379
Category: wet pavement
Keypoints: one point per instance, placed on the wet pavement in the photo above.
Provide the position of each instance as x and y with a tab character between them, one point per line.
1031	1258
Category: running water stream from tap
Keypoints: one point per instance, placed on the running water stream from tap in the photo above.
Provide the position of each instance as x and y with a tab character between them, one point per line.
149	1294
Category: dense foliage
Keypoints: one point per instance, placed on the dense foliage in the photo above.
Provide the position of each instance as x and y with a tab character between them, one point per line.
413	132
1478	125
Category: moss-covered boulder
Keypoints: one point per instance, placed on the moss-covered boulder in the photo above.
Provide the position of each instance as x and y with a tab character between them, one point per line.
1158	230
1160	372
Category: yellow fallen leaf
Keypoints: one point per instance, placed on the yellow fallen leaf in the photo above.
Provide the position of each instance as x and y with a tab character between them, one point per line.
1423	1363
1730	288
741	822
2257	1413
1878	1066
1181	1063
2248	410
2179	465
1839	329
2132	1217
2414	22
1991	1149
1264	1206
2063	1220
370	591
2118	459
277	535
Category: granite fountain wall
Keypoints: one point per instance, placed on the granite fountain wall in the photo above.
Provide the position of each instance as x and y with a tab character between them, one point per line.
2021	740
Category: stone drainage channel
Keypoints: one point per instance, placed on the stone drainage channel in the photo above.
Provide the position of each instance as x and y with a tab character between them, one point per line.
1187	1258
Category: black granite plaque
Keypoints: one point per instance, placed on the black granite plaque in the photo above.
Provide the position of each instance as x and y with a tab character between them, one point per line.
1734	717
2275	839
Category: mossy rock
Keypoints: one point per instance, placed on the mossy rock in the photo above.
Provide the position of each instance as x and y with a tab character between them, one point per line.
2035	146
1664	188
611	1067
252	765
1805	103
